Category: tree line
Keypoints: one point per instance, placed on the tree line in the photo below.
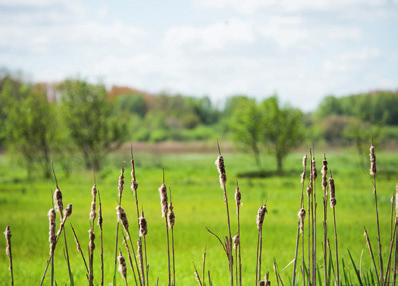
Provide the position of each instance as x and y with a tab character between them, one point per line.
83	118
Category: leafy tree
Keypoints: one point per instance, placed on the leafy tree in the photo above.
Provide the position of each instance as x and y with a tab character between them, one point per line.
247	128
131	103
283	128
30	125
88	116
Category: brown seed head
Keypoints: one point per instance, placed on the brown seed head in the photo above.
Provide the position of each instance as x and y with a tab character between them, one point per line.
134	184
52	234
7	234
238	197
171	215
236	241
314	173
372	160
100	220
305	161
142	225
260	216
332	192
122	265
301	215
324	172
163	199
121	183
68	211
59	206
91	244
122	217
309	188
221	170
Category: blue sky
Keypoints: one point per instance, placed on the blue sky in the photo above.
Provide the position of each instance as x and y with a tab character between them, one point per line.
302	49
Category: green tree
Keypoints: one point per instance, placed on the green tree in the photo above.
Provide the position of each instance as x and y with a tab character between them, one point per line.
89	118
282	128
246	127
30	125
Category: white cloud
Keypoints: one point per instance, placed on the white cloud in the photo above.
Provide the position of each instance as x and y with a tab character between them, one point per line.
215	37
350	61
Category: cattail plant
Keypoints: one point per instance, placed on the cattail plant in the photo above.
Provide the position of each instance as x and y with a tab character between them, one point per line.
260	220
130	260
313	176
7	234
120	194
79	249
171	221
369	245
91	247
238	198
122	266
99	223
373	173
223	180
333	202
324	172
143	231
164	205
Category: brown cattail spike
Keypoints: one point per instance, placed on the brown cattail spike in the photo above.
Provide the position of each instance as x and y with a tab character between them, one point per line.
122	265
260	216
314	173
372	160
59	206
94	194
100	219
332	192
52	234
121	184
309	188
134	184
304	167
238	197
68	211
236	241
91	244
396	203
301	215
7	234
163	199
171	216
221	170
324	175
142	225
122	217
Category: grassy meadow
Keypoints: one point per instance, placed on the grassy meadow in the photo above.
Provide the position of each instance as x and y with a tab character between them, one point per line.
198	203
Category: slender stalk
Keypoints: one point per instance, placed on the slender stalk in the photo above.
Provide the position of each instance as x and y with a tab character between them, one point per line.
337	247
146	262
229	238
102	239
129	256
204	265
257	256
371	254
386	279
8	235
79	248
295	254
168	251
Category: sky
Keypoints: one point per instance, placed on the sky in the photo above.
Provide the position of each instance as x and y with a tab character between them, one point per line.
302	50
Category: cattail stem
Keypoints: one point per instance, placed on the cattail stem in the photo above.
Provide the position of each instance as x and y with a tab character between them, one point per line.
229	238
337	247
386	279
371	254
100	220
129	256
8	235
204	265
79	248
378	231
325	230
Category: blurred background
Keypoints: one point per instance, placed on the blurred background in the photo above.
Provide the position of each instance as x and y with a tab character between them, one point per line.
194	71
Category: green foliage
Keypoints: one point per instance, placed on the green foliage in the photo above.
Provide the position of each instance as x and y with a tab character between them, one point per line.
131	104
30	125
88	117
283	128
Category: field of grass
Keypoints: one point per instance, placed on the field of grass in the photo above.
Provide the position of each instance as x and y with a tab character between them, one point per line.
198	203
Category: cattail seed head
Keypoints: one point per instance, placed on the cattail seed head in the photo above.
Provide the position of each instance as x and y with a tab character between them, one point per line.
238	197
68	210
163	199
314	173
122	217
301	215
236	241
260	216
134	184
305	161
92	212
59	206
142	225
121	183
171	216
365	234
100	219
309	188
372	160
221	170
122	265
91	244
332	192
324	172
52	234
7	234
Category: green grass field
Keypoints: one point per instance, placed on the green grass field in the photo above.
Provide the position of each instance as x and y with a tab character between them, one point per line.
198	203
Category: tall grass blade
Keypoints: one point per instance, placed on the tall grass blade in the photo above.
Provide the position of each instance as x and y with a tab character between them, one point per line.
355	268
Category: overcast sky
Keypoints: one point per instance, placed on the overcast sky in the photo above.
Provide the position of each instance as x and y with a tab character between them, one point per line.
303	50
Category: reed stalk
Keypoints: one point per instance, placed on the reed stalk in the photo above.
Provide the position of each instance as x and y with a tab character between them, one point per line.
7	234
260	220
325	229
223	180
371	254
129	257
99	223
79	249
238	198
333	202
120	194
372	172
204	265
171	221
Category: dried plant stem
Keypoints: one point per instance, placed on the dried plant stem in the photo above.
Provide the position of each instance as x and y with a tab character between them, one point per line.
168	251
325	207
204	265
337	247
8	235
371	254
141	279
102	239
141	258
79	248
229	245
331	260
146	262
197	275
387	277
296	253
120	192
309	240
378	231
129	256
